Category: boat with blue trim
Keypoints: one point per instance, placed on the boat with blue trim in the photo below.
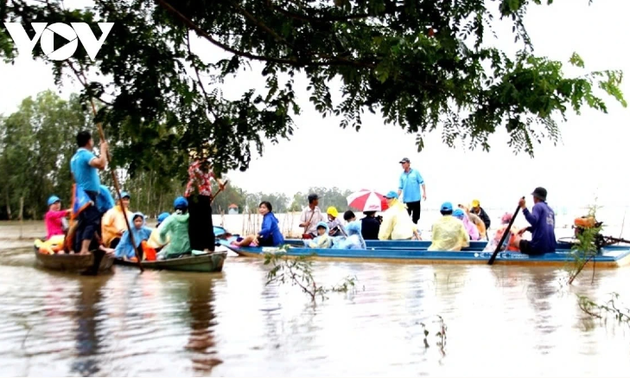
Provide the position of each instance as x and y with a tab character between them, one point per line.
410	251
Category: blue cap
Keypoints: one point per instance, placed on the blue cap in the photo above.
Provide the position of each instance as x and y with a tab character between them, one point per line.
391	194
124	194
446	206
162	216
52	200
180	203
458	213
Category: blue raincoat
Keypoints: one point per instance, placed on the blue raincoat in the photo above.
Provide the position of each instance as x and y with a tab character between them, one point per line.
354	240
104	200
270	229
125	248
320	241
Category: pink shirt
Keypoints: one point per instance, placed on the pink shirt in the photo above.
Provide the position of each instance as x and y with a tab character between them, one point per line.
53	223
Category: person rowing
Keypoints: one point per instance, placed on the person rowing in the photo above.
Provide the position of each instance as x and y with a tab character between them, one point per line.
542	222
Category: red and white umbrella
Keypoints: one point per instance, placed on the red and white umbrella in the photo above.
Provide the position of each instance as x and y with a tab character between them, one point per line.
367	200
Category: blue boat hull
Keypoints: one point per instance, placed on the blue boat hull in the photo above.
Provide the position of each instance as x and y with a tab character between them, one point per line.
612	257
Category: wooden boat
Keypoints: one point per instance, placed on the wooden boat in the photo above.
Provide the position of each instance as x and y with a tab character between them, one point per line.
611	256
208	262
399	244
71	263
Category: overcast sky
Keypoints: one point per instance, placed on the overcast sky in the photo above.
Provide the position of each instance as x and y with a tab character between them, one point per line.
589	161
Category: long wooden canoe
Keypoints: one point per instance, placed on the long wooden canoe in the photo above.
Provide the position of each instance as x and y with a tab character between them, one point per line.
72	263
612	256
399	244
210	262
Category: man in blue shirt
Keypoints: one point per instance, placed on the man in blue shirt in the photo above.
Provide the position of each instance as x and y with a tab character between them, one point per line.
84	166
409	186
543	221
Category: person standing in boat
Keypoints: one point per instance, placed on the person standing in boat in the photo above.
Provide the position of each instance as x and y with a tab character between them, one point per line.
199	196
543	221
409	186
84	166
113	224
311	216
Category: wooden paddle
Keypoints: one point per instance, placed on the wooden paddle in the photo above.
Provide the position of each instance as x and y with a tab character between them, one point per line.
505	234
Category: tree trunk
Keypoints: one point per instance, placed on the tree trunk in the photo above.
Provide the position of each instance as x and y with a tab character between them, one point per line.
8	205
21	215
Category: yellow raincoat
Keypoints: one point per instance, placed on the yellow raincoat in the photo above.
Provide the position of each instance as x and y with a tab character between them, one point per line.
112	223
448	234
397	224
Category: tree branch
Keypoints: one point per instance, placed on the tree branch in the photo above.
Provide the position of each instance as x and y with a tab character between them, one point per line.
292	62
203	89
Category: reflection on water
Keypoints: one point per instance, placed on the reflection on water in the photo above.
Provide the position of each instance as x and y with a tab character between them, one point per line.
500	321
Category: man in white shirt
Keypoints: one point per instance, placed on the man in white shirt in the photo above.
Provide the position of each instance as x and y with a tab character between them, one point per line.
310	216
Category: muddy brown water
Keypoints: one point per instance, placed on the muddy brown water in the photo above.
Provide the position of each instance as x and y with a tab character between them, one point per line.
500	321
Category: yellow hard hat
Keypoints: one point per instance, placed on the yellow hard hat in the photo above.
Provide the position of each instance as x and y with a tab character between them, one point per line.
332	211
475	203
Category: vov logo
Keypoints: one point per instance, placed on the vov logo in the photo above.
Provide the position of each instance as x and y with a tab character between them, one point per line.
73	33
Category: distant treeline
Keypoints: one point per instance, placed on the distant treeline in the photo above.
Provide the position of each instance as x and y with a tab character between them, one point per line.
38	140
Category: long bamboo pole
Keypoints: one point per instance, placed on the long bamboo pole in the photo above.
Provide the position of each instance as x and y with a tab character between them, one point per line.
117	187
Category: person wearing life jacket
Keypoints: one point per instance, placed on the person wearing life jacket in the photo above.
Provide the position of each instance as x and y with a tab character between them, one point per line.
54	217
175	229
396	224
153	245
448	232
113	223
322	240
492	243
125	248
542	222
471	229
335	225
354	240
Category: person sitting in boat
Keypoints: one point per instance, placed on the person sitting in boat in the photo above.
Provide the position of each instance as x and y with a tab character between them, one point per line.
153	245
542	222
125	249
370	225
396	224
448	232
354	240
480	212
471	229
269	235
349	216
492	244
113	224
322	240
334	223
174	229
476	220
310	217
54	218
